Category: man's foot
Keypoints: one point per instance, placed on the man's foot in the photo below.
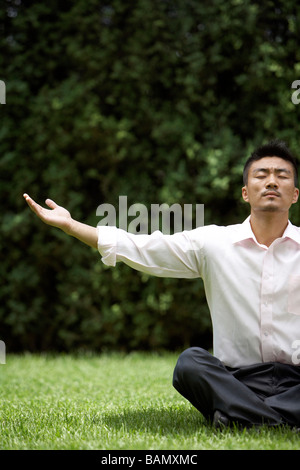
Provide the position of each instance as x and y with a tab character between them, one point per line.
220	421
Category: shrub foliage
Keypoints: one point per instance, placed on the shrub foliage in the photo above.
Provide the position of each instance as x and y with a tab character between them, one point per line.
158	100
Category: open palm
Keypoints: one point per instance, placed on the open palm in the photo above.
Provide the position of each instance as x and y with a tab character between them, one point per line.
56	216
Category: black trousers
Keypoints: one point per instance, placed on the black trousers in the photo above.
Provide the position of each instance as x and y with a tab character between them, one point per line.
264	393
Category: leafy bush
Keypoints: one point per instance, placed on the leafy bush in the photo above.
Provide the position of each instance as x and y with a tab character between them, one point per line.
161	101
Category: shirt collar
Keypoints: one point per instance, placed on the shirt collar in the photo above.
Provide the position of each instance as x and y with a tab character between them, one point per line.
244	232
292	232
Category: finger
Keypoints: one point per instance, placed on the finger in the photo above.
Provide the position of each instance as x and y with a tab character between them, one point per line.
28	199
51	203
36	208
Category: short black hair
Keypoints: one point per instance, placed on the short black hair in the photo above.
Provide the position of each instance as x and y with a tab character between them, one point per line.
274	148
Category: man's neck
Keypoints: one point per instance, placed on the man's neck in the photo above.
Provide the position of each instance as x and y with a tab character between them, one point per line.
268	226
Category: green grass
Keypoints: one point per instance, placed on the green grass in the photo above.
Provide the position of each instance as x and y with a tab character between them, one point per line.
110	402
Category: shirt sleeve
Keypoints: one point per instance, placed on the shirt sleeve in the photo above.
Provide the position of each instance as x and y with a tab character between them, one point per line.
177	255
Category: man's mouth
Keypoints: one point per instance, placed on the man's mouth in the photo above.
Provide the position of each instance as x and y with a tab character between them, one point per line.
271	194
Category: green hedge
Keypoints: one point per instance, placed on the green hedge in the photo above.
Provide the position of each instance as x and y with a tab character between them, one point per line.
158	100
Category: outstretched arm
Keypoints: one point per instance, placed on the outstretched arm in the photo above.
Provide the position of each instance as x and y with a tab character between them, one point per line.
59	217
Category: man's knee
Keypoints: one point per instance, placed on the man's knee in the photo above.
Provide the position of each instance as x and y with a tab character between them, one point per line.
192	356
188	362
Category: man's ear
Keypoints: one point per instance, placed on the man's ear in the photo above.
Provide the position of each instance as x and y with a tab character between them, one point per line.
245	194
296	195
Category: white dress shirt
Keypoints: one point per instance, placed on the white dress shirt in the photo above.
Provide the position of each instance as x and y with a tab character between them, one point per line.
253	291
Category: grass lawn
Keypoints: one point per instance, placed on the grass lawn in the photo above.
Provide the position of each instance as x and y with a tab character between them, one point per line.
110	402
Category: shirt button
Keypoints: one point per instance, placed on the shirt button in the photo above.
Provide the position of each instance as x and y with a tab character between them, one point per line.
266	333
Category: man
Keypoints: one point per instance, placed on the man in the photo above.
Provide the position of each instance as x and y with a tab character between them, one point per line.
251	275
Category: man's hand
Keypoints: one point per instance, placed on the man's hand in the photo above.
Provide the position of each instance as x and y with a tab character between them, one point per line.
59	217
56	216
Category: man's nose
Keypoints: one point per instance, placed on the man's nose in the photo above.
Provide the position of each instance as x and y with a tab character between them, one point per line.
271	182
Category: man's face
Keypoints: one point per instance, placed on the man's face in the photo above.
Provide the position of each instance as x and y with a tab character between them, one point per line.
270	186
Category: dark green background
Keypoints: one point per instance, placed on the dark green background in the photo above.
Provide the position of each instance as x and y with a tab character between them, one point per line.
158	100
